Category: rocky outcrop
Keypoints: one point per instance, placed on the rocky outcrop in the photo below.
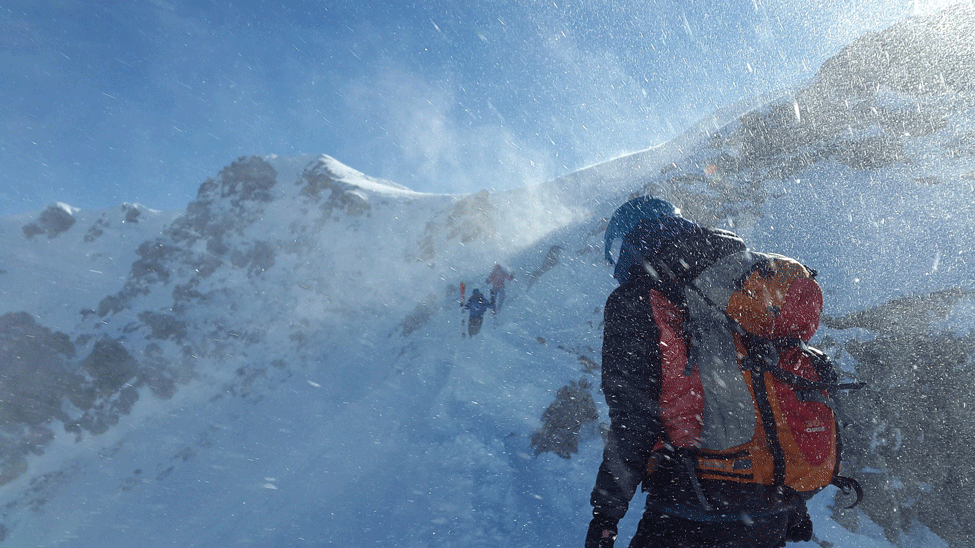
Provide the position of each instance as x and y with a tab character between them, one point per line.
37	373
130	214
903	316
471	218
45	388
421	315
228	202
322	186
565	419
863	109
920	57
909	433
52	221
549	261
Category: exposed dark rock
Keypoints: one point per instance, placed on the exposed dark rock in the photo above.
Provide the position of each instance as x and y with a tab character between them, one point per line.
564	419
907	315
110	304
420	316
552	258
163	326
36	373
35	378
111	366
318	179
262	257
921	56
106	412
909	432
247	179
871	152
53	221
131	213
470	219
227	203
96	230
257	259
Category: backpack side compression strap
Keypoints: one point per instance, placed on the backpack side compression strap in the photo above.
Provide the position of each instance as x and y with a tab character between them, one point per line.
849	484
768	421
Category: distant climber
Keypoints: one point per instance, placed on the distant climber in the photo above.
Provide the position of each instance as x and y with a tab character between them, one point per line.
478	305
497	278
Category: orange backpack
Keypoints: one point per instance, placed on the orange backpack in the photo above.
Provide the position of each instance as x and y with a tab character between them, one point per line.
745	402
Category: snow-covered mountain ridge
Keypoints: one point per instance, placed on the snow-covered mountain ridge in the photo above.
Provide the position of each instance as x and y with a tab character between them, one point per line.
281	364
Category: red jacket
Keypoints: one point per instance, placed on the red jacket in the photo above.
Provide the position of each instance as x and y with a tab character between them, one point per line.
498	277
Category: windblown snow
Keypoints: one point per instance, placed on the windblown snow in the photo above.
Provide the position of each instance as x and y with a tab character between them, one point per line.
284	363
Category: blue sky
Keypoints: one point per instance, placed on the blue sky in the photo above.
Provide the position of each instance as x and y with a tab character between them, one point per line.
104	102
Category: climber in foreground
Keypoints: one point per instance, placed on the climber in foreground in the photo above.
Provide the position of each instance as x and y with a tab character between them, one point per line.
705	368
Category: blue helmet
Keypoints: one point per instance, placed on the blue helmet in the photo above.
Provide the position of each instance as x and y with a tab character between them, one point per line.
628	215
643	242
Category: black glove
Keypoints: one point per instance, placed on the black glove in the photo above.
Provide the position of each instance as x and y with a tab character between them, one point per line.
602	531
800	526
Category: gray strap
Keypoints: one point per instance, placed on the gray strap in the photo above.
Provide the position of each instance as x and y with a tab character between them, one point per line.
692	473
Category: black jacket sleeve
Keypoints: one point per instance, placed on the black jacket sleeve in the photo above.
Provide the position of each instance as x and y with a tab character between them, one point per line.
631	383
